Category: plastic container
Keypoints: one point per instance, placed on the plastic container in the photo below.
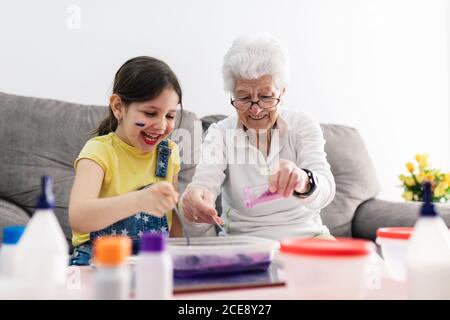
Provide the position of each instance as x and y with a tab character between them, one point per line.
154	269
42	254
428	257
326	269
112	279
394	245
220	255
11	236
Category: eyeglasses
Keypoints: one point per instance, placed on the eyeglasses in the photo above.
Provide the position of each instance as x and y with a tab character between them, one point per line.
267	103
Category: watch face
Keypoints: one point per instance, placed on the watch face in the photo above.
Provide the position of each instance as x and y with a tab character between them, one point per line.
312	181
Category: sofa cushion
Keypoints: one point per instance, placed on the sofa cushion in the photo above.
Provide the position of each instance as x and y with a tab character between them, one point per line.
354	174
43	137
10	214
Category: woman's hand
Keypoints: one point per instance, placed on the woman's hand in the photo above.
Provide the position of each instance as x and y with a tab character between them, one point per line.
158	199
287	178
198	206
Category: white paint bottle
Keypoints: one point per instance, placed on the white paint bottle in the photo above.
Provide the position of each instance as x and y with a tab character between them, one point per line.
154	269
112	279
428	257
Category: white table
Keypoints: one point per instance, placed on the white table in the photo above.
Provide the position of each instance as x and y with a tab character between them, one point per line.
379	286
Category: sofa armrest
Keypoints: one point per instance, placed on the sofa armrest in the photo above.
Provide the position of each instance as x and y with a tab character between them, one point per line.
376	213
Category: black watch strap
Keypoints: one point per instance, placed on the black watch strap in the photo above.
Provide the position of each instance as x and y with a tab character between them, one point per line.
312	184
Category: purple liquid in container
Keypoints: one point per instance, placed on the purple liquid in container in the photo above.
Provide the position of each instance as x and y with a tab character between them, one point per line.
190	266
221	256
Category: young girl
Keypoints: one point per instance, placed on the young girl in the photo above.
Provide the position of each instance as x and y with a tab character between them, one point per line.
126	177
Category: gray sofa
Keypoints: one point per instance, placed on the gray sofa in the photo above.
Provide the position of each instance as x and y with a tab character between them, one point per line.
42	136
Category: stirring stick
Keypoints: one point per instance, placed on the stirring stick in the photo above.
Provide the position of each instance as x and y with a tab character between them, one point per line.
220	227
183	225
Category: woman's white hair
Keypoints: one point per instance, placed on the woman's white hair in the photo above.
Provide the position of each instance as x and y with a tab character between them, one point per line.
254	57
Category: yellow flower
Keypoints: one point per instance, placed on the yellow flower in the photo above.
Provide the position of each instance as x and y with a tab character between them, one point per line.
420	177
410	167
407	195
409	181
420	173
447	178
439	191
418	157
429	177
422	160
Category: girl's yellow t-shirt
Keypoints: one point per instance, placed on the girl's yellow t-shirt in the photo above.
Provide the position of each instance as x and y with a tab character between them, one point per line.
126	169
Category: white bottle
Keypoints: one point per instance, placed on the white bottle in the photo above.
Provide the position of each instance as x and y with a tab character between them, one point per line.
112	274
154	269
11	236
428	257
42	254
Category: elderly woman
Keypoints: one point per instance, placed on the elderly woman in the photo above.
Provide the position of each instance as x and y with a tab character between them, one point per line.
262	145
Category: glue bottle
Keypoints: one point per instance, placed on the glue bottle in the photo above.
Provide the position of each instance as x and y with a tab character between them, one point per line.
112	274
154	269
42	254
428	256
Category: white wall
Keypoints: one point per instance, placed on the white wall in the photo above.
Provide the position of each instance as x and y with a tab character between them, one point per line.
381	66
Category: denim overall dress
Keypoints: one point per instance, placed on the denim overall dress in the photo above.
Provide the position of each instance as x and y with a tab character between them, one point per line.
133	226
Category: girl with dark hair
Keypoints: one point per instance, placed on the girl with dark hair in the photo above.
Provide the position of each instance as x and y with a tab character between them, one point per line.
126	177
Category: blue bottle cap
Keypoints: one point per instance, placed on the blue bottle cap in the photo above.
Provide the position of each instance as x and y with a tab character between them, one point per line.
46	199
152	242
12	234
428	209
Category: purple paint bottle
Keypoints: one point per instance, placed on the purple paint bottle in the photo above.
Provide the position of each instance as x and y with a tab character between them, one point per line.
154	269
258	195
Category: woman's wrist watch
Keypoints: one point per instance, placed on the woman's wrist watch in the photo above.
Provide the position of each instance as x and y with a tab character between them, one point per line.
312	185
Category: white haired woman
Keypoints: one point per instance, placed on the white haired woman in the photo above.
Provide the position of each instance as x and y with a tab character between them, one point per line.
268	146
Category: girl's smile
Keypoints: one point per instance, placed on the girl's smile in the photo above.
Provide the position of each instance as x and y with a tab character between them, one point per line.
150	139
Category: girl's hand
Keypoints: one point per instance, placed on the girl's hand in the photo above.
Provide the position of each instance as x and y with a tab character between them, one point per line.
287	178
158	199
198	206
